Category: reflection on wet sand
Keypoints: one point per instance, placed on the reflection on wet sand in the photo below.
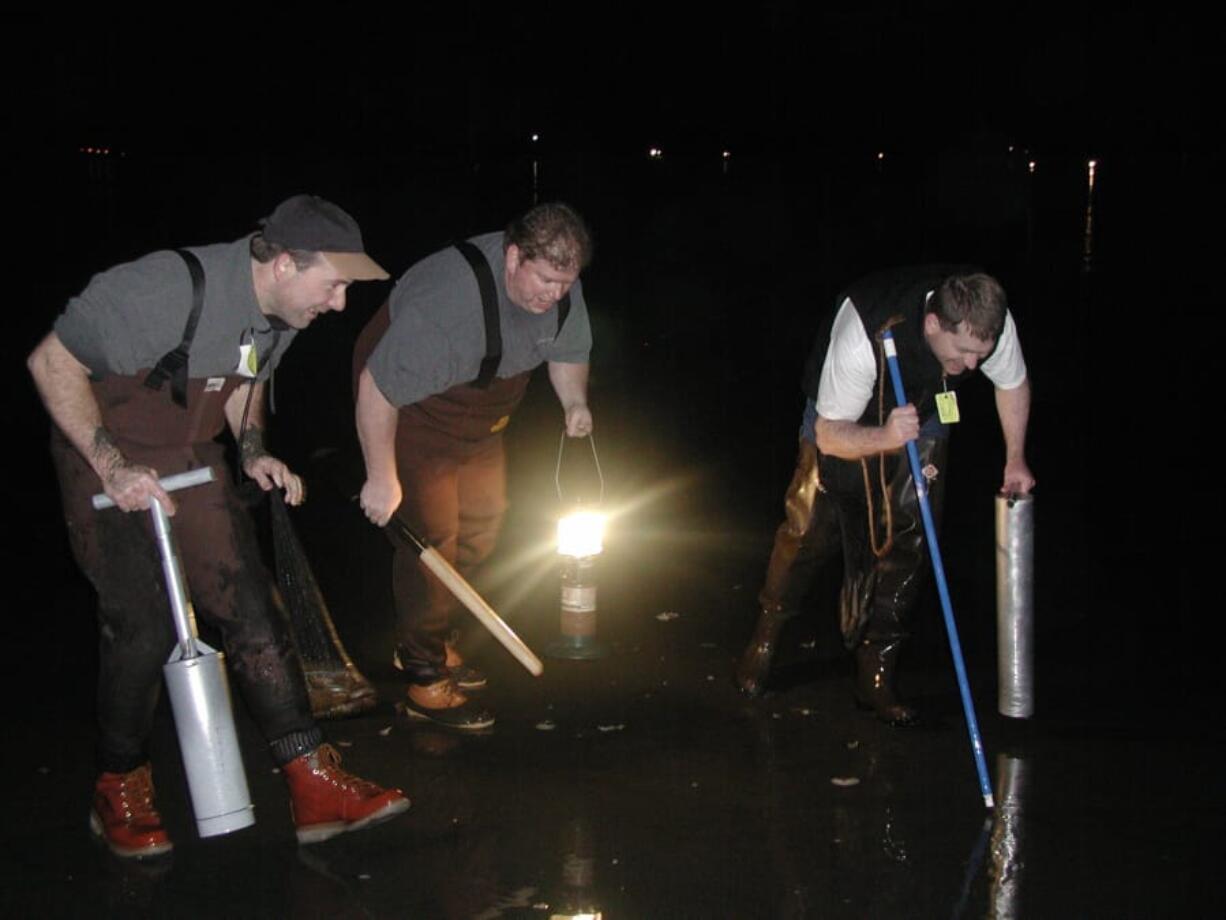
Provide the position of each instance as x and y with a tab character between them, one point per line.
1008	838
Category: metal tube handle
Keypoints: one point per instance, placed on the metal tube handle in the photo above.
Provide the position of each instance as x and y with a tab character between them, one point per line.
181	611
196	477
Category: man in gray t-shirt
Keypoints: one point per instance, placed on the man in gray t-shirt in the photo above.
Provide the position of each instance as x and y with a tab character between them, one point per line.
440	370
151	362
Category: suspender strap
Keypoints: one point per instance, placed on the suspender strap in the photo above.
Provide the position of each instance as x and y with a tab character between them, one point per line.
489	307
173	364
563	312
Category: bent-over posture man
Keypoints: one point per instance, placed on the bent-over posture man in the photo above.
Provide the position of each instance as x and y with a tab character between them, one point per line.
142	371
852	489
440	370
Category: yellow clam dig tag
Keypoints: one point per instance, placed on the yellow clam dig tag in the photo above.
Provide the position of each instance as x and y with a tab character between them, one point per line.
947	407
248	361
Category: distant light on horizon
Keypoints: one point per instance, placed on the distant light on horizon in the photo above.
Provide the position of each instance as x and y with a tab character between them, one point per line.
1031	165
655	153
727	154
535	138
1087	246
880	155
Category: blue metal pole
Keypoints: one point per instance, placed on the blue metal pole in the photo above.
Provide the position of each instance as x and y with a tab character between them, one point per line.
938	568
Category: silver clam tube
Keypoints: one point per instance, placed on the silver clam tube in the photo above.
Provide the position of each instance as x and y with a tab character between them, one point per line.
199	692
200	699
204	722
1015	605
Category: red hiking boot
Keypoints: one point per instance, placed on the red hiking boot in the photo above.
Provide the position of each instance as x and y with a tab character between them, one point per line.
327	801
124	816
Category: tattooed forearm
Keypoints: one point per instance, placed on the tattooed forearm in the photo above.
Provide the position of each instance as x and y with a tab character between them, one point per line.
252	445
107	457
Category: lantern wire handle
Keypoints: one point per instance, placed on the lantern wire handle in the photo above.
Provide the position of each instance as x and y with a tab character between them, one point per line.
557	473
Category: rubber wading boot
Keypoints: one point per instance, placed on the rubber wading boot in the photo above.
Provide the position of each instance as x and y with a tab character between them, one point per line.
755	663
465	676
443	704
124	817
876	664
327	801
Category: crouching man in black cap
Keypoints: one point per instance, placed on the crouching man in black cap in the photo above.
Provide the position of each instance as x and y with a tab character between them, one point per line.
141	372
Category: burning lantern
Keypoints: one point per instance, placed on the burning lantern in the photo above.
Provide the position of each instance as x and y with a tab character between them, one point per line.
580	541
581	534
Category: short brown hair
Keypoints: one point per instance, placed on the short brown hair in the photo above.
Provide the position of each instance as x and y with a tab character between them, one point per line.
263	252
553	232
977	300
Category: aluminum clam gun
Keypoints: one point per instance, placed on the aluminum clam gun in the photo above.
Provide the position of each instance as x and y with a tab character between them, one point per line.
938	570
199	693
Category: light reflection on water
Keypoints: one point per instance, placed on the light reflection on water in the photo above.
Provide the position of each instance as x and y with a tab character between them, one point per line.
1008	838
1087	236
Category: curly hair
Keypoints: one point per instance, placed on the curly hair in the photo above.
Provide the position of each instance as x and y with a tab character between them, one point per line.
553	232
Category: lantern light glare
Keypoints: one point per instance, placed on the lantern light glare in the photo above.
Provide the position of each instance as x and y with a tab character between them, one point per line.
581	534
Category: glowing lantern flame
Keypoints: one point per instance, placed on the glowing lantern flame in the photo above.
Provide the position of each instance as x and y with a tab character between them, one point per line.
581	534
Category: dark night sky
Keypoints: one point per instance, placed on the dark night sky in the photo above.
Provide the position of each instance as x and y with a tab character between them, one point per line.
761	77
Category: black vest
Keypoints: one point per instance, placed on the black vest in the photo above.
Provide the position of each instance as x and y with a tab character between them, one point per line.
893	298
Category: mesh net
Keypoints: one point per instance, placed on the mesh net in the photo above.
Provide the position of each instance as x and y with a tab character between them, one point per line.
336	686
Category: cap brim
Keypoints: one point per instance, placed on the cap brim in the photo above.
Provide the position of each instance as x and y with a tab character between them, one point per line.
356	265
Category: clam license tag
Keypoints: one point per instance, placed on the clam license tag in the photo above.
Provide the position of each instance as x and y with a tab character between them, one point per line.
248	361
947	407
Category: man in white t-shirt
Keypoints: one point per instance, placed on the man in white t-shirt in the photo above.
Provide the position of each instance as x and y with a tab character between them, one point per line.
852	492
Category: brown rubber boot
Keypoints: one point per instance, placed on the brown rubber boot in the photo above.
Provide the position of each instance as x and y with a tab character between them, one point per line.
755	663
463	675
443	704
876	664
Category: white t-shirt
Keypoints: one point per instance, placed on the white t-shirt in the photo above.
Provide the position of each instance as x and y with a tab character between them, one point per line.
849	372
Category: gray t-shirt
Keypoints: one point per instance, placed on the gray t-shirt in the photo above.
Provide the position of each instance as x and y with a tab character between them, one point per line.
437	335
131	315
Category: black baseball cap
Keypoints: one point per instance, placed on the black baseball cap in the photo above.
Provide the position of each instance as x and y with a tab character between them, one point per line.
312	224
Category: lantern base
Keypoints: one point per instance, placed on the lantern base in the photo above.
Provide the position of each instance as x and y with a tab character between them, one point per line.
577	648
